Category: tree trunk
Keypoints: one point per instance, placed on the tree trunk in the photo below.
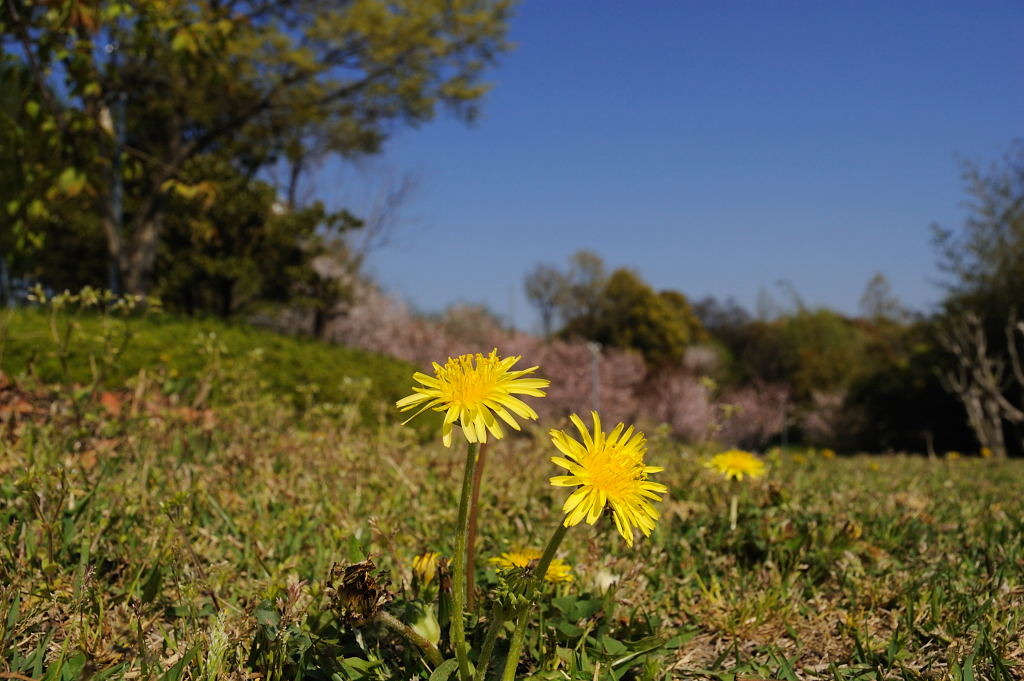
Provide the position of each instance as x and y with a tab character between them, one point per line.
545	322
319	322
115	251
986	422
137	264
5	282
188	299
226	293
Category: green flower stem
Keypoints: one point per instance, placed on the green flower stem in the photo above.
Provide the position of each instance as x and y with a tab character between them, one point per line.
733	511
498	619
549	552
458	627
516	644
474	503
406	632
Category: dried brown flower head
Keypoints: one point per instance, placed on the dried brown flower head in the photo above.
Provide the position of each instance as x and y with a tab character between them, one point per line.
358	591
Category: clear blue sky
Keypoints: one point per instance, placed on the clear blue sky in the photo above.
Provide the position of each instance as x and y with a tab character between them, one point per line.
715	147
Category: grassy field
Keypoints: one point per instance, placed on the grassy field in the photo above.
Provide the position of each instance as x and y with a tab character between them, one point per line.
148	534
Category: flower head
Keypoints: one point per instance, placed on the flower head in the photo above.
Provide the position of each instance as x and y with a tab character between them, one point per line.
472	390
608	470
558	570
424	566
736	463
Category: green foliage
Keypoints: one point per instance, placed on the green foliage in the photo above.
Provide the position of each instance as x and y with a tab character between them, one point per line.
181	354
680	307
900	400
810	350
32	177
629	314
262	85
830	350
229	243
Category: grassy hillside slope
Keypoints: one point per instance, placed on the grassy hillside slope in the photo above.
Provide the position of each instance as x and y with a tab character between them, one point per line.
181	352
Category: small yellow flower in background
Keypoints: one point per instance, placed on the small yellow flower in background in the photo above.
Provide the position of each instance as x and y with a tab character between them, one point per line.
986	453
952	456
608	470
424	566
471	390
799	458
828	453
558	570
736	463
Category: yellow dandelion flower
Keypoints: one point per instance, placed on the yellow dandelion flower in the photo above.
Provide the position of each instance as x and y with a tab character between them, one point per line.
986	453
609	471
471	390
558	570
828	453
952	456
736	463
424	566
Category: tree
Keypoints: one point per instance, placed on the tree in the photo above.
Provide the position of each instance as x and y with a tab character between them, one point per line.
901	403
629	314
879	304
982	379
985	258
586	279
985	296
830	350
571	295
683	312
33	188
231	243
546	288
262	83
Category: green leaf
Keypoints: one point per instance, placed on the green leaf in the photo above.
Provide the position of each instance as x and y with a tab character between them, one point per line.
444	670
73	667
267	615
569	629
612	646
152	586
12	613
174	673
587	608
565	603
184	41
71	181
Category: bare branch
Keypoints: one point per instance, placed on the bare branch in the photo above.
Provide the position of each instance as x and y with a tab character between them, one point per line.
1012	329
